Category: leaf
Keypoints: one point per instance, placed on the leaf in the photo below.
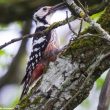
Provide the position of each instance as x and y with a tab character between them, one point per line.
99	83
97	15
2	52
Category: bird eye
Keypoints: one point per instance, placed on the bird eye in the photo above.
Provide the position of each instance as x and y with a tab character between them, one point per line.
44	9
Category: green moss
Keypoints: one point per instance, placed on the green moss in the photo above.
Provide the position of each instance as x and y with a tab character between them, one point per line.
85	43
105	19
37	100
26	102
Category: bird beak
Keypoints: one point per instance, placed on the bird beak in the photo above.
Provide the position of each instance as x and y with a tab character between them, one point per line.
57	7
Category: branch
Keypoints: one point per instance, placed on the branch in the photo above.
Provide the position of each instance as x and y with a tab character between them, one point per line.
53	26
72	5
104	99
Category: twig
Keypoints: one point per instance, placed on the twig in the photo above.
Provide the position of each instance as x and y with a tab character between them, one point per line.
17	39
77	35
80	4
98	8
70	24
62	5
80	29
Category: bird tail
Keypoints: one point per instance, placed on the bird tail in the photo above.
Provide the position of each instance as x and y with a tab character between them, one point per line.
27	82
30	78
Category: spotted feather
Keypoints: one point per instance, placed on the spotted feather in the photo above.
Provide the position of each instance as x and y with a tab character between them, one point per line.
39	46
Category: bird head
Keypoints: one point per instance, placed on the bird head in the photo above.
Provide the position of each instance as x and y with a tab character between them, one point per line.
44	14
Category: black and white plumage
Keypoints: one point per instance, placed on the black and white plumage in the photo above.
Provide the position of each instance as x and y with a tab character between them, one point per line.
39	45
46	48
41	50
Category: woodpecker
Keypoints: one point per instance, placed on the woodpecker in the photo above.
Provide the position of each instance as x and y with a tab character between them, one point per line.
44	48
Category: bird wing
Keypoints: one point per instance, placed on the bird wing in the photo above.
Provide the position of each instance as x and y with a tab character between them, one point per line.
39	46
